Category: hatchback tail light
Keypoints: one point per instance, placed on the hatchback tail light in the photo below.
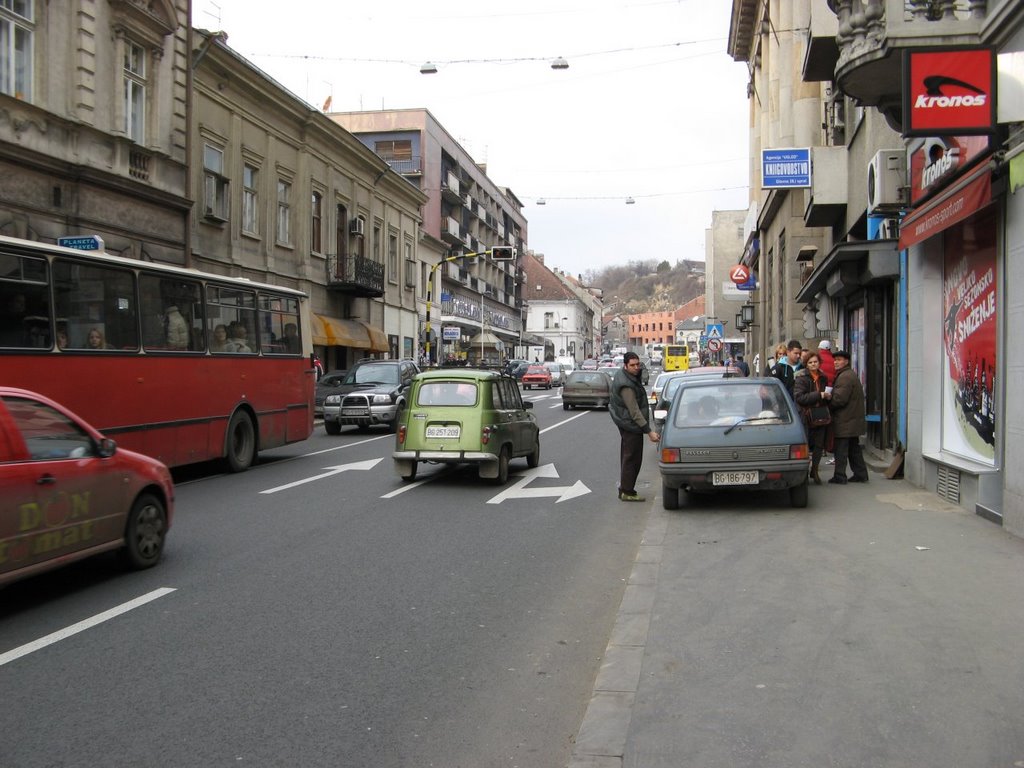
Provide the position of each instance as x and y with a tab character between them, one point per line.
485	435
401	434
670	455
799	451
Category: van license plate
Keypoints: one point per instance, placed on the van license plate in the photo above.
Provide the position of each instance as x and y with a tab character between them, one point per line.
735	478
445	432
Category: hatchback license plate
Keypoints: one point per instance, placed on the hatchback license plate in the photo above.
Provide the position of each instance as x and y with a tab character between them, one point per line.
447	432
735	478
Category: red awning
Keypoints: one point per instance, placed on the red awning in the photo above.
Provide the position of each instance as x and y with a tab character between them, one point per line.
954	205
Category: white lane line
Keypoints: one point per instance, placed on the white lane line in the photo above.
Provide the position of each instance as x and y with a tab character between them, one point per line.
565	421
347	445
81	626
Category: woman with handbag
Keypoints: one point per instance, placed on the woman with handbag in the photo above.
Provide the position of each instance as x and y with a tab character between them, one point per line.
812	393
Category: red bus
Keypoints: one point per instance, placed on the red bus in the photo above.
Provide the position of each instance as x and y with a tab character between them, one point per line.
174	363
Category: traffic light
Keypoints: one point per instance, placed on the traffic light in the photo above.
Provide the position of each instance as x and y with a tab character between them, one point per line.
503	253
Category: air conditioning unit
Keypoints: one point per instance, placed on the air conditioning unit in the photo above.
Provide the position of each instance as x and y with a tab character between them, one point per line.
889	229
887	173
357	227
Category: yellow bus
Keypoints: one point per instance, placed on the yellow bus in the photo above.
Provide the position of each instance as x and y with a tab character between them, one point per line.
677	357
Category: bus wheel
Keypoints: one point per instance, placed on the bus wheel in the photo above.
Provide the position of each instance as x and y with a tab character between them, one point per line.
241	443
144	532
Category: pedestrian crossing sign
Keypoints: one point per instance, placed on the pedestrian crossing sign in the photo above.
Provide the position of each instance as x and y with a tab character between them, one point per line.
714	331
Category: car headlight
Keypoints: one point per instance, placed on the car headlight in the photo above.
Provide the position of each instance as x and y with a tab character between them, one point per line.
381	399
333	400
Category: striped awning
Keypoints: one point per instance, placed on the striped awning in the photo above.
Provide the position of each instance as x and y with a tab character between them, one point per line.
334	332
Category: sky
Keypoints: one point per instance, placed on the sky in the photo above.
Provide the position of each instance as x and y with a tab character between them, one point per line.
651	107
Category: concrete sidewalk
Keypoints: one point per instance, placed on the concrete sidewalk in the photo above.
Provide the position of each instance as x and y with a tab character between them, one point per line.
667	696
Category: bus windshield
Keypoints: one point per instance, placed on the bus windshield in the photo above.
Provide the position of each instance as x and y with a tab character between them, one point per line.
191	366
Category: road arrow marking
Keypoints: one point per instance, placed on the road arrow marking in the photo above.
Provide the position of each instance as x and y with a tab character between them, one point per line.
520	491
368	464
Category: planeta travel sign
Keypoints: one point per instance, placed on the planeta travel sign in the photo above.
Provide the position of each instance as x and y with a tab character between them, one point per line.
949	91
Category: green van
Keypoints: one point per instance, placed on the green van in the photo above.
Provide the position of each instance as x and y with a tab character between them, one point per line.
466	416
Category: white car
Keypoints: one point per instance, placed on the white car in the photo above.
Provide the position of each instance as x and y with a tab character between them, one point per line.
557	373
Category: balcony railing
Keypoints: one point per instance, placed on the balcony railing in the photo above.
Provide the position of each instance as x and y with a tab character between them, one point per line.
355	274
407	166
871	34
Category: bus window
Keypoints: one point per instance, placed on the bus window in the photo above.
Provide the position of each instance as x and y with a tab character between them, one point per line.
279	325
236	310
24	305
96	305
172	314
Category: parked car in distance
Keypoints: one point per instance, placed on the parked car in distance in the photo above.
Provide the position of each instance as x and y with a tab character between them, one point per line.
557	373
69	493
329	384
739	434
466	416
373	393
586	388
536	376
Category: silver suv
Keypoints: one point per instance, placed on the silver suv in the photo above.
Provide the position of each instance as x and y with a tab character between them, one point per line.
373	394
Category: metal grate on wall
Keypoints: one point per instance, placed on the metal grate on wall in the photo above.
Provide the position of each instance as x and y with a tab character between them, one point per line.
949	484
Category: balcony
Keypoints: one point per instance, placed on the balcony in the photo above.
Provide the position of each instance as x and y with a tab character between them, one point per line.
873	33
450	189
407	166
356	275
451	231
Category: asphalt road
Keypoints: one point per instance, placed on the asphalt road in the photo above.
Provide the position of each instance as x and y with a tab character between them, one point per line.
314	617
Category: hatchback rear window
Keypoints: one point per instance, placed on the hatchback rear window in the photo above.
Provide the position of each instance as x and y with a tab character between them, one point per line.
451	393
701	406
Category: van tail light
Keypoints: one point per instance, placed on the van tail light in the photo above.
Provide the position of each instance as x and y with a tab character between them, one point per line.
401	434
485	435
799	451
670	455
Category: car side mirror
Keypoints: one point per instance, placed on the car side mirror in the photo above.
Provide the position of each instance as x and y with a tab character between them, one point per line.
527	405
660	414
107	448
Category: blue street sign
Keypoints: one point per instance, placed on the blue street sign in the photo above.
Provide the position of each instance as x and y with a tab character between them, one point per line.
750	284
82	243
785	168
715	331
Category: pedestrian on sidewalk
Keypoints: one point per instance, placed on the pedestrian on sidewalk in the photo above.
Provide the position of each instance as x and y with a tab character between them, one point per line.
631	413
812	393
848	422
828	363
787	364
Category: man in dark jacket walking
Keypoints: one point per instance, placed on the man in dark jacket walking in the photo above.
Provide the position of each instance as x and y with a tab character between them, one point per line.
848	422
631	413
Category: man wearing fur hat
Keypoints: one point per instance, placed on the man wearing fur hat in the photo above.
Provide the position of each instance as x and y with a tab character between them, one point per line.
848	422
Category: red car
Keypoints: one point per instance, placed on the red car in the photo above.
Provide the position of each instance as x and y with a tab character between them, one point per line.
537	376
67	492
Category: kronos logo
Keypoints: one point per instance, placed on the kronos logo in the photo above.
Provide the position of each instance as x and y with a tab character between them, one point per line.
934	97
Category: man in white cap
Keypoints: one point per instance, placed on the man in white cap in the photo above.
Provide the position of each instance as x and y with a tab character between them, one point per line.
828	363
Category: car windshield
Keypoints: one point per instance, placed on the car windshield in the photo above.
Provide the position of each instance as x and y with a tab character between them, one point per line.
373	374
723	405
451	393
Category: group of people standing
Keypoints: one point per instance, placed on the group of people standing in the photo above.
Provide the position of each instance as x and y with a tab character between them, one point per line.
831	400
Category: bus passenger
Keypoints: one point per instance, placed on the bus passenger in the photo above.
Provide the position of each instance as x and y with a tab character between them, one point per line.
238	341
62	336
292	344
95	339
219	342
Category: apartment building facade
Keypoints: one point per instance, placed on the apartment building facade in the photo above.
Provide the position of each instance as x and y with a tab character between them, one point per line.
94	138
478	299
287	196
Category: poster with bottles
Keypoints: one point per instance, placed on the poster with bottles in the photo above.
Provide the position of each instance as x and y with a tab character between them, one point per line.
969	336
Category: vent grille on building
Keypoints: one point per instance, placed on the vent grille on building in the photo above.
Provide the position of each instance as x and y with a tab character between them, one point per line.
949	484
